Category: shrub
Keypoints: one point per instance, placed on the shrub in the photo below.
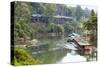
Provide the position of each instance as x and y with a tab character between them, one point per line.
22	57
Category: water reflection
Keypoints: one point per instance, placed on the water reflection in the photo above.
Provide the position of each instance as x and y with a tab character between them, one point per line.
72	57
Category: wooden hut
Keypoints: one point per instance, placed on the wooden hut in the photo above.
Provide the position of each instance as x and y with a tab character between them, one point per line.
59	19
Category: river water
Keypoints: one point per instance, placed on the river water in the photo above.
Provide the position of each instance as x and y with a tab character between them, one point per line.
52	51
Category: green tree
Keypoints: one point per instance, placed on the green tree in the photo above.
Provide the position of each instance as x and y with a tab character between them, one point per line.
23	57
57	28
78	12
91	25
68	28
22	17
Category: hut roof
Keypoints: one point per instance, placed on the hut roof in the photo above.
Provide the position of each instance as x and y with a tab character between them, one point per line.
84	43
56	16
66	17
36	15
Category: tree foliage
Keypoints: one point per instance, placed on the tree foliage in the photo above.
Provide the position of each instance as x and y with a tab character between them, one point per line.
91	25
78	12
22	57
52	27
24	10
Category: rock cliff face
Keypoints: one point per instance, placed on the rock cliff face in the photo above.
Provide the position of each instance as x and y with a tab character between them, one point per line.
60	10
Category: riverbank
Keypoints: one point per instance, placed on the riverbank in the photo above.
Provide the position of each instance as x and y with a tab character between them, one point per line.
23	57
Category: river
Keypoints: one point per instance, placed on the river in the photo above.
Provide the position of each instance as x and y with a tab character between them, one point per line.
52	51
